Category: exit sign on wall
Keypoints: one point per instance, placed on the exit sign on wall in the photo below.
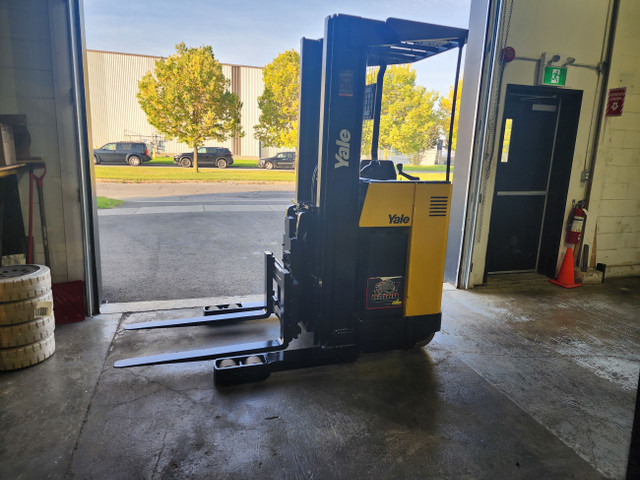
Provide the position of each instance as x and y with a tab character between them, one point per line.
554	76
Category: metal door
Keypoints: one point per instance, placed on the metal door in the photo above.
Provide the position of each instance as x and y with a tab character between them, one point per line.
523	173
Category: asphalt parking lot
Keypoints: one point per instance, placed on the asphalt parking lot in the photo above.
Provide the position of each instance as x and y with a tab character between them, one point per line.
182	241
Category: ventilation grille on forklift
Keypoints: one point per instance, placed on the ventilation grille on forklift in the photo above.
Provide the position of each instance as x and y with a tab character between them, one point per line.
438	207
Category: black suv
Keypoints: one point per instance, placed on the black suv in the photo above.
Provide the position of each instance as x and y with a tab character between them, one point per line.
216	156
133	153
283	159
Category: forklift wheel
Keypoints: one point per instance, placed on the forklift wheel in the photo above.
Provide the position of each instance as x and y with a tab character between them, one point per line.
424	342
228	362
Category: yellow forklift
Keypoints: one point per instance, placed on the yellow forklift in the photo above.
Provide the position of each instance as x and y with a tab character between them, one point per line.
363	252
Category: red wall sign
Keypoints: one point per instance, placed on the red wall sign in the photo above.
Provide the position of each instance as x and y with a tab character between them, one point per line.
615	101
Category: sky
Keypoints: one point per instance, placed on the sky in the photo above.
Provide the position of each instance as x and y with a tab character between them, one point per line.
251	32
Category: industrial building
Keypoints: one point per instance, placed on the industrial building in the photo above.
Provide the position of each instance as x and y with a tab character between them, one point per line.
116	115
525	380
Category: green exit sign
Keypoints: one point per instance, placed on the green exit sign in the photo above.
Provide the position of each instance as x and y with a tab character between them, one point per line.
554	76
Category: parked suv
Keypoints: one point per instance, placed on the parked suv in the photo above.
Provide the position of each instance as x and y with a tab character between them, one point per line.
283	159
216	156
133	153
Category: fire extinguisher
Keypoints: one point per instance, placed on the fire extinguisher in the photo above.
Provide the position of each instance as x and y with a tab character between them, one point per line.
577	223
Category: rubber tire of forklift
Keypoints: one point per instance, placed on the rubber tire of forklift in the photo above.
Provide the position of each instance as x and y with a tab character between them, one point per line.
20	282
423	343
25	310
27	332
27	355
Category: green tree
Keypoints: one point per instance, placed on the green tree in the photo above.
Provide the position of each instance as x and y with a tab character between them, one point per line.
278	122
188	98
409	119
445	106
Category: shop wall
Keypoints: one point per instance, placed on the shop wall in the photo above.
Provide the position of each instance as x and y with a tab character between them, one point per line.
35	80
613	225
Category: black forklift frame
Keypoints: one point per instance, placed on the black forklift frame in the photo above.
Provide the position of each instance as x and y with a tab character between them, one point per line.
318	324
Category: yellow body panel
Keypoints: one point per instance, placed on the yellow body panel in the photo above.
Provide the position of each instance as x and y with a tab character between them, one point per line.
427	249
424	207
388	205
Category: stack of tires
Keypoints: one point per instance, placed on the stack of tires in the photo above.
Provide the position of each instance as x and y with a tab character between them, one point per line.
26	316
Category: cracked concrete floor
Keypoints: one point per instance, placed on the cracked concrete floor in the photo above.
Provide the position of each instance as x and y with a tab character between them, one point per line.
524	381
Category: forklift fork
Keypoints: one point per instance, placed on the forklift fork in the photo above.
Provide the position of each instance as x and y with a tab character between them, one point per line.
226	314
204	354
275	302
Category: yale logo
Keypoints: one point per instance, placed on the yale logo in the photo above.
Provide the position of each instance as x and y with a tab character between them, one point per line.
395	219
342	157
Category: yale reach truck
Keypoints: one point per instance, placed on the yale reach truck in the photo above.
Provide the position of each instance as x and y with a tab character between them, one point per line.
363	251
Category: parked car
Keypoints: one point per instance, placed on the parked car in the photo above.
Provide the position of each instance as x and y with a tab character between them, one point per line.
281	160
133	153
216	156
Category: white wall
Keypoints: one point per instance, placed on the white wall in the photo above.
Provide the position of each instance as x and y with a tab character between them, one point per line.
35	79
613	225
570	28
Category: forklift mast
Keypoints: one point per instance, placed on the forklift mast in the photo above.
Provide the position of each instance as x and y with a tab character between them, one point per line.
363	252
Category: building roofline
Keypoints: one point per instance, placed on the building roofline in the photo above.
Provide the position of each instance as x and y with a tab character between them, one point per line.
158	57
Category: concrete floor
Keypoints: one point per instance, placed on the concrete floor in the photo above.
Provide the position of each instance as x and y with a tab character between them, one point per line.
524	381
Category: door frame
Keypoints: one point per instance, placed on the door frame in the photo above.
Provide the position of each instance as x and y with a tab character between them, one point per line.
553	221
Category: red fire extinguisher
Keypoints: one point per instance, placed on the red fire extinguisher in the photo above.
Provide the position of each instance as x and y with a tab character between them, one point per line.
577	222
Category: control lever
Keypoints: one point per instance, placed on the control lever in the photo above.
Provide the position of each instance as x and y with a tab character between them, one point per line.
405	175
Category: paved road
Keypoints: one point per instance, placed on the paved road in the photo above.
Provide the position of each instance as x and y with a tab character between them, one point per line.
177	241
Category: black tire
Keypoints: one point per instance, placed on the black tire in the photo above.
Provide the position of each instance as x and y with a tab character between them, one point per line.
185	162
134	161
269	165
19	282
426	340
96	160
222	163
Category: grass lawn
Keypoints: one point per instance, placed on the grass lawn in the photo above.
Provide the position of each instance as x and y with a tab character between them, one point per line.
239	162
104	202
426	168
244	170
208	174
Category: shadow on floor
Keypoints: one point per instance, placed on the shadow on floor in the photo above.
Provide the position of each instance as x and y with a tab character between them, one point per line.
523	382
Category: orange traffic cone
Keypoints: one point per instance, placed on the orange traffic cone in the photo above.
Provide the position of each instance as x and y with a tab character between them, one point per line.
565	275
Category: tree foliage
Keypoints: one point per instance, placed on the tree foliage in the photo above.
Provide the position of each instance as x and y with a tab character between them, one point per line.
278	123
445	106
409	120
188	98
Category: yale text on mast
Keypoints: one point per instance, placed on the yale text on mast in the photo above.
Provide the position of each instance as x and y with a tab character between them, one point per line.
342	157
